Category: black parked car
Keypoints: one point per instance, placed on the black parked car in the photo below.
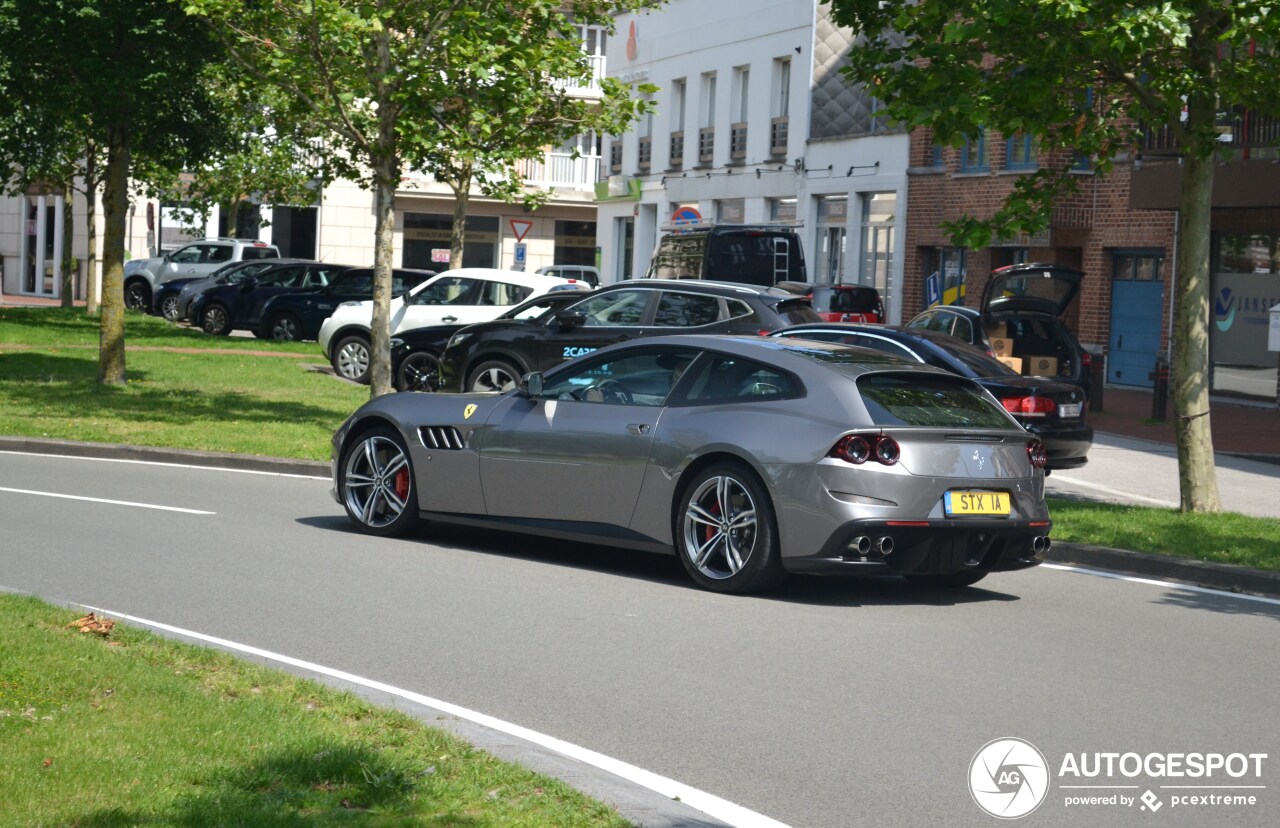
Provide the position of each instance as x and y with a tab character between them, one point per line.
415	353
299	315
492	356
224	308
1021	318
1053	411
172	299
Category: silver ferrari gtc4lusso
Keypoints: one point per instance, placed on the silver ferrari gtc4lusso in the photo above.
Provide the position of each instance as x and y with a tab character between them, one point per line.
749	457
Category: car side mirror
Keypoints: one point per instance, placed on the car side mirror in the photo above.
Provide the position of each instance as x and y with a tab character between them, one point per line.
571	319
531	384
248	284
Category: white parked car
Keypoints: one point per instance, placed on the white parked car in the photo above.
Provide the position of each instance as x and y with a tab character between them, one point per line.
454	297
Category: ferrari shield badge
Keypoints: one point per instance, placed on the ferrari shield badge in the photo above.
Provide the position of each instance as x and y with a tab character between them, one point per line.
468	411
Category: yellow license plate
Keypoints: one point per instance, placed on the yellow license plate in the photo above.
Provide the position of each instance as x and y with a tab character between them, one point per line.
976	503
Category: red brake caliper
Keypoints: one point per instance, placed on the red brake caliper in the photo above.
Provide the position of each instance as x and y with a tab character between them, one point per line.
711	530
402	484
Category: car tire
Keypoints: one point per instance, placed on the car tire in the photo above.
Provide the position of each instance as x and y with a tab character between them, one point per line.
284	327
351	358
493	375
419	371
216	319
137	295
376	485
169	307
951	580
747	557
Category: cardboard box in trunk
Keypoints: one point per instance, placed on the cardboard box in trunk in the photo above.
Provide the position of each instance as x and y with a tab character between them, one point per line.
999	330
1002	346
1013	362
1041	366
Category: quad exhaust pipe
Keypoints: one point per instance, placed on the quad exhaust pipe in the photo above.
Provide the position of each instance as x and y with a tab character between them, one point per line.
863	545
1040	544
885	545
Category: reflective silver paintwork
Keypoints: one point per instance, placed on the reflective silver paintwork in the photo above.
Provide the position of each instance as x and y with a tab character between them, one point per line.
614	472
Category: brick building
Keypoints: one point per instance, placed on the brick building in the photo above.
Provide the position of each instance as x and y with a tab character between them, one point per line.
1120	230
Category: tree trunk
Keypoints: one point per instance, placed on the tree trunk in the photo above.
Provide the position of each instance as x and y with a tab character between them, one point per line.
461	200
68	236
385	162
1197	477
111	369
91	219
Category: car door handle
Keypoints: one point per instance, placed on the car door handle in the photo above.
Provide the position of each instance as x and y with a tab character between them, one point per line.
448	319
638	429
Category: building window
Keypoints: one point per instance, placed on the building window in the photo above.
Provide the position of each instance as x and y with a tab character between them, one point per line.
427	237
741	100
675	146
935	154
1020	153
945	282
781	115
879	217
833	219
575	242
782	209
1137	267
973	155
731	211
707	128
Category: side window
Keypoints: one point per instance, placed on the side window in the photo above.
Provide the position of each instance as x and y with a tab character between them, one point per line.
187	255
940	322
448	290
739	309
963	329
319	277
729	379
360	282
686	310
218	253
623	307
636	378
501	293
281	277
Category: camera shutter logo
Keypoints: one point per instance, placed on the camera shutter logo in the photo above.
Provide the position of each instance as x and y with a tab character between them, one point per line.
1008	778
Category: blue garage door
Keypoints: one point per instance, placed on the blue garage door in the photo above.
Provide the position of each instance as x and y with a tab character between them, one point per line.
1137	308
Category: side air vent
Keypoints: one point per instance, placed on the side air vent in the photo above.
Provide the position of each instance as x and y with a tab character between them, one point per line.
974	438
440	437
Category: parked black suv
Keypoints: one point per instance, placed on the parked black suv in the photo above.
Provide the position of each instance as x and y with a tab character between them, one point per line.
492	356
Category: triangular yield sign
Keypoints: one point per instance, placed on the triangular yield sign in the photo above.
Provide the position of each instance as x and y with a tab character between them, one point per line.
521	228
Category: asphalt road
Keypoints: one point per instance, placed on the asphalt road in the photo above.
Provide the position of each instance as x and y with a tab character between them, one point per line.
834	702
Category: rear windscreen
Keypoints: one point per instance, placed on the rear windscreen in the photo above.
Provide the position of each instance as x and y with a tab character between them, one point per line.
923	400
854	301
798	312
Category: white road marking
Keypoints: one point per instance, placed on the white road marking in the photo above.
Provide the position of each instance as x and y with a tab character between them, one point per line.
1116	576
1071	481
109	502
710	804
162	463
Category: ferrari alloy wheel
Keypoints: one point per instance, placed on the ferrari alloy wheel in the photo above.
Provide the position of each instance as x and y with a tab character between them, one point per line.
726	534
377	484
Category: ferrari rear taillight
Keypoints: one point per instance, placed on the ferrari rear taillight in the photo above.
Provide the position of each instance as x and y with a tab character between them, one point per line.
859	448
1031	406
1037	454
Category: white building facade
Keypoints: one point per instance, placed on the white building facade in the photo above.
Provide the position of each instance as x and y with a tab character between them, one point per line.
339	226
754	124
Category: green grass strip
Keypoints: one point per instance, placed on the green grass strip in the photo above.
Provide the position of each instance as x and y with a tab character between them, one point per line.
134	729
1227	537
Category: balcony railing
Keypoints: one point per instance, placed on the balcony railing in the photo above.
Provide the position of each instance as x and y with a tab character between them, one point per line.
778	136
677	150
738	141
1239	129
591	89
706	145
561	170
646	153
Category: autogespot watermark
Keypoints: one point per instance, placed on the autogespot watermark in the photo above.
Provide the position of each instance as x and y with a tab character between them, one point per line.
1009	778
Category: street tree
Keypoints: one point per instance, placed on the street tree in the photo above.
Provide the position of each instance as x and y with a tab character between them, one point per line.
373	74
1085	78
133	72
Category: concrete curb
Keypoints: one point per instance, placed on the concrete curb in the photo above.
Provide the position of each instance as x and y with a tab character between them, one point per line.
208	459
1166	567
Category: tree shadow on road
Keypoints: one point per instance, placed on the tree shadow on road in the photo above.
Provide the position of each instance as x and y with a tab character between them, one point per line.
1217	602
